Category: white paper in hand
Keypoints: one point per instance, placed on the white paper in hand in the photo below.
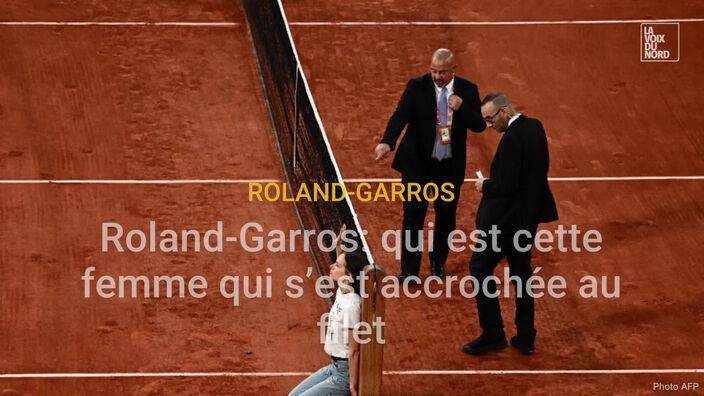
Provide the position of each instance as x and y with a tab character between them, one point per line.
479	174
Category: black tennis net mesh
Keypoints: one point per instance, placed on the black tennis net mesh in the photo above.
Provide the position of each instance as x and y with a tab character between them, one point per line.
302	145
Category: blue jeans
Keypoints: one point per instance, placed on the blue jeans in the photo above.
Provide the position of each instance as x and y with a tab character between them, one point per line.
329	380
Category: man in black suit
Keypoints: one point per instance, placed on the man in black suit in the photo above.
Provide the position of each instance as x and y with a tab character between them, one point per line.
516	198
438	108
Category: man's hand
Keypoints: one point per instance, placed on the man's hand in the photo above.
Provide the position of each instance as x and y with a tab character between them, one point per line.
479	184
382	150
455	102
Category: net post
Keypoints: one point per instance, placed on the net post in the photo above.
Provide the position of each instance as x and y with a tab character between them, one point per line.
371	354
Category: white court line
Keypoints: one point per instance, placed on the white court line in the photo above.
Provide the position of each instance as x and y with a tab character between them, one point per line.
304	374
352	23
351	180
173	374
137	181
497	23
557	179
125	23
544	372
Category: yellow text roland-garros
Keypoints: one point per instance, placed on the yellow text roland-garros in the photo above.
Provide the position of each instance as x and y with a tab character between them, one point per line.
365	192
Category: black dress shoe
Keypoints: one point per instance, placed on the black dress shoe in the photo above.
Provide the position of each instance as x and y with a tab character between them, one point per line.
437	269
410	279
485	344
526	348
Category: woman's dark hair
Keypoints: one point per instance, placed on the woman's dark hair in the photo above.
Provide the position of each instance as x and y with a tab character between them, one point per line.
356	261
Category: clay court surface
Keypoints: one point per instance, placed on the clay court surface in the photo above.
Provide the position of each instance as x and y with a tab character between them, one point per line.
133	102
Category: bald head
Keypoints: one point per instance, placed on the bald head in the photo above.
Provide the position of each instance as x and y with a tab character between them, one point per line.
442	66
444	56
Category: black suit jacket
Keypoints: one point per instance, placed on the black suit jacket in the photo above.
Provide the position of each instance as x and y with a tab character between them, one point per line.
517	194
417	109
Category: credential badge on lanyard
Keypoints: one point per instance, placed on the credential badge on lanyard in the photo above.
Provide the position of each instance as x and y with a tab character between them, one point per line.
445	130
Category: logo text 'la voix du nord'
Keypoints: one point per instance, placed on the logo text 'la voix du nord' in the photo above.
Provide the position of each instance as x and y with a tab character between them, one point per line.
659	42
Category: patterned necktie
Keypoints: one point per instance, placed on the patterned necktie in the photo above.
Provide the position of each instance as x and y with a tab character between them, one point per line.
441	149
442	106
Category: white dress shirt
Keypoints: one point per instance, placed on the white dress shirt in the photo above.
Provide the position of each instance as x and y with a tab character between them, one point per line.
514	118
450	87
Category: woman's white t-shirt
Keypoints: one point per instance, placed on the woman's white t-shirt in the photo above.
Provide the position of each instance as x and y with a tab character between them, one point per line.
344	315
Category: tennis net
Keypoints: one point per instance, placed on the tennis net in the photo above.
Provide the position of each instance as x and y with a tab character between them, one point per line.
302	145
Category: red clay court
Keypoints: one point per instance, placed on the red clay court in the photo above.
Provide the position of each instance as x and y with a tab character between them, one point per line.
136	111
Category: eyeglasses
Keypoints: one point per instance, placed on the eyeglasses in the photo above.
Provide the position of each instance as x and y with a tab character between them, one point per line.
491	118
